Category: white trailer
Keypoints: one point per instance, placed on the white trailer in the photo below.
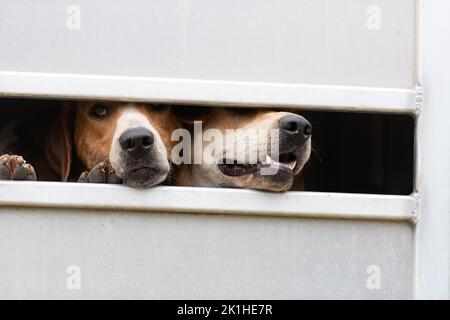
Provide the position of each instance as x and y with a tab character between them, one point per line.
72	241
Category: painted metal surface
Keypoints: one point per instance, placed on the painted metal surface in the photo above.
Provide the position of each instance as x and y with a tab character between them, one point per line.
161	244
208	92
225	243
188	256
208	200
294	41
433	181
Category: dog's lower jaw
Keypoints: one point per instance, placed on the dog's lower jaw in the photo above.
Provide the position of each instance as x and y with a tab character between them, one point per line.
276	186
275	183
143	172
146	180
212	177
143	175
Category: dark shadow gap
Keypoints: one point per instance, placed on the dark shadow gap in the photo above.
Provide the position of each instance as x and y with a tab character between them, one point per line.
353	152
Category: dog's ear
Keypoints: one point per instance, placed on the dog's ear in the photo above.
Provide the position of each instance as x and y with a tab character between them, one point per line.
58	148
189	114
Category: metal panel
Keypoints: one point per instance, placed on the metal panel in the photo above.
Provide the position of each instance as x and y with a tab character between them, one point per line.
208	200
347	42
432	279
136	244
208	92
186	256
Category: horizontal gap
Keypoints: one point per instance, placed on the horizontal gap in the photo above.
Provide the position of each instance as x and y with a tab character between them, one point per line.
353	152
361	153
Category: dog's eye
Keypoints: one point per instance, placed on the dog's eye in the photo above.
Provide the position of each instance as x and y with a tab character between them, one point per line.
99	110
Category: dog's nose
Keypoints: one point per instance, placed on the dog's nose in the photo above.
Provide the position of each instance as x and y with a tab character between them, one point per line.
136	140
296	127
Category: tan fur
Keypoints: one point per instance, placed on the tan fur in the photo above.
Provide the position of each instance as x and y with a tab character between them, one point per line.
91	138
222	119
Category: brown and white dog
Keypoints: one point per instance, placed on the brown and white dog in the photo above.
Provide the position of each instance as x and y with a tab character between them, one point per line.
113	141
293	141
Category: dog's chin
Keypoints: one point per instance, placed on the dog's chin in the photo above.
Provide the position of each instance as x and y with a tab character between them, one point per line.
279	182
145	176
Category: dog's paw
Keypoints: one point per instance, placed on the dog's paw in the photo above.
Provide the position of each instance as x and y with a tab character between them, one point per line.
101	173
13	167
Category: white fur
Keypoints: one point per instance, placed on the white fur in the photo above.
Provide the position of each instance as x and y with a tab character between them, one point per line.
129	119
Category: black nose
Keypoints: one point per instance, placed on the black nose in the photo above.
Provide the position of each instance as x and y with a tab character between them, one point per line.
137	140
296	127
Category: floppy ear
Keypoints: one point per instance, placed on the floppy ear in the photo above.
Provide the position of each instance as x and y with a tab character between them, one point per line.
58	148
189	114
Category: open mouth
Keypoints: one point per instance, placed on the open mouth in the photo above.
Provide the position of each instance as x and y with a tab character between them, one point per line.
285	163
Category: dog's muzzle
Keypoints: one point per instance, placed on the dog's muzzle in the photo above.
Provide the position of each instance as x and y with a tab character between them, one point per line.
294	133
142	165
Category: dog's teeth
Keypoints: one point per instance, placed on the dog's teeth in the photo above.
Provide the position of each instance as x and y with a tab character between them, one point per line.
291	165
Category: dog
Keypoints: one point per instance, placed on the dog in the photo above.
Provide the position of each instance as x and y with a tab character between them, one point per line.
293	139
112	142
